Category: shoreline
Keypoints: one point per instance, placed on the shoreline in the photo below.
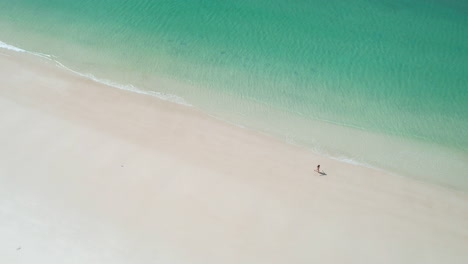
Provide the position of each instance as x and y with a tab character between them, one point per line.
178	100
399	156
112	176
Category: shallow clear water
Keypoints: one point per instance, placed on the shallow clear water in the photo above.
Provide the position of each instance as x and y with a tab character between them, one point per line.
315	72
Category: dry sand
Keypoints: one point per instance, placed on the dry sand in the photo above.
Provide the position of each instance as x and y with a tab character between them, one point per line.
93	174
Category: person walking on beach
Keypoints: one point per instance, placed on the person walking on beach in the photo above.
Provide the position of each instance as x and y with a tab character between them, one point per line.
318	169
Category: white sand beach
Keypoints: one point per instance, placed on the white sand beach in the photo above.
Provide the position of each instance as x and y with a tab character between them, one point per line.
94	174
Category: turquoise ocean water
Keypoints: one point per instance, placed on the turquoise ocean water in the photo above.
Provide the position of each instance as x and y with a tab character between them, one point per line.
376	82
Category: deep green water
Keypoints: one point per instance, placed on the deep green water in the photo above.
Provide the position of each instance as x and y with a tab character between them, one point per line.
329	74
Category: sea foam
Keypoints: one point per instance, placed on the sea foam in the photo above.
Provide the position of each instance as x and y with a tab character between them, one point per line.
3	45
128	87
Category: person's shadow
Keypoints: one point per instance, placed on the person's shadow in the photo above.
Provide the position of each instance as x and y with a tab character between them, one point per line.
322	173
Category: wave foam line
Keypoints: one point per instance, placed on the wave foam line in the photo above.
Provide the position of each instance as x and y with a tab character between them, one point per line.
3	45
128	87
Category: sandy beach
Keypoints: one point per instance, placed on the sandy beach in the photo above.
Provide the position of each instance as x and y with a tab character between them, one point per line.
93	174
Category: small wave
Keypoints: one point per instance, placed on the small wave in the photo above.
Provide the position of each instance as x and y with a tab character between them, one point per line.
350	161
3	45
340	157
357	163
128	87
